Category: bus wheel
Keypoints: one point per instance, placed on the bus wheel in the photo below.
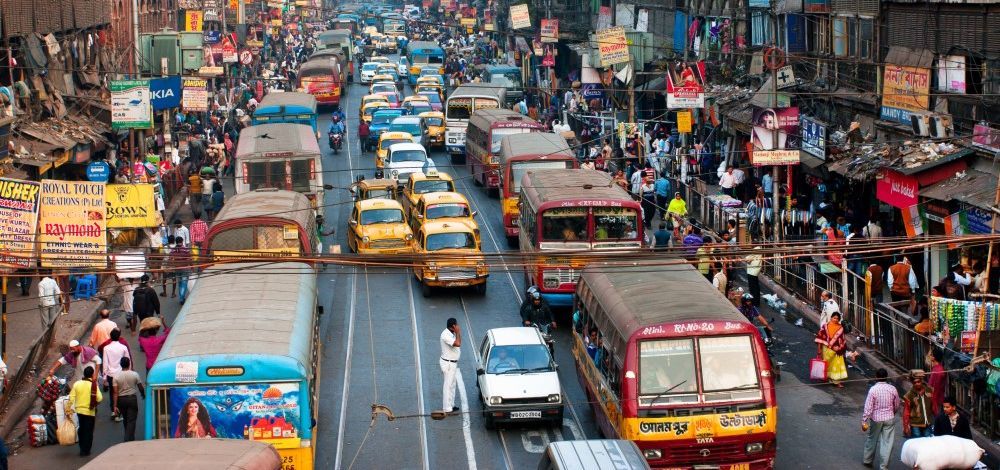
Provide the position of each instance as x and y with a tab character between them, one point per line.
425	290
512	242
458	159
493	193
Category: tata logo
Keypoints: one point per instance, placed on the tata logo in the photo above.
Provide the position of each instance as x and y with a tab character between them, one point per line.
163	94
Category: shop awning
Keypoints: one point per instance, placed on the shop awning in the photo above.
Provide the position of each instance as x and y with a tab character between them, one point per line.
958	154
973	187
810	160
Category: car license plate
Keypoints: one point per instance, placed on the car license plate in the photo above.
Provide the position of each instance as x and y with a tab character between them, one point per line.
525	414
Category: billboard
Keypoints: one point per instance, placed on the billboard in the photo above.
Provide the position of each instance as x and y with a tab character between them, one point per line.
813	137
195	96
550	30
72	224
18	221
131	106
686	86
775	136
131	206
258	411
612	46
520	18
904	90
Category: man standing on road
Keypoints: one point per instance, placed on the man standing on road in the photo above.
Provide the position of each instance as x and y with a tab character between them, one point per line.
754	263
451	344
879	420
144	300
49	295
124	401
111	358
102	330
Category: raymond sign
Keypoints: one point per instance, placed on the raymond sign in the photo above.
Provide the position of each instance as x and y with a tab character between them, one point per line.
897	189
18	221
550	31
72	225
612	46
519	16
193	20
131	206
195	95
904	90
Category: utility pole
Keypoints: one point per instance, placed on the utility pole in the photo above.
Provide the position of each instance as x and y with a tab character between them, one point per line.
773	101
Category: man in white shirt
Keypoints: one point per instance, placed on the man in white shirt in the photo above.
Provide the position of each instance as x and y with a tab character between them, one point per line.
451	344
754	263
728	182
111	357
872	231
181	233
829	307
49	300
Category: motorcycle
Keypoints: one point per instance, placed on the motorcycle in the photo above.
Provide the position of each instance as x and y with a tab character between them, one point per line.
547	336
336	140
768	337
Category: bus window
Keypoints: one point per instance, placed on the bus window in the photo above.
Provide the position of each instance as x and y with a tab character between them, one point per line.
301	176
614	223
509	79
499	132
459	108
667	367
520	167
568	224
263	175
727	364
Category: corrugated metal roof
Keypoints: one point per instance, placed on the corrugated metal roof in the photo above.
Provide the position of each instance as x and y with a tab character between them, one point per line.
540	143
973	187
277	138
561	185
267	203
288	98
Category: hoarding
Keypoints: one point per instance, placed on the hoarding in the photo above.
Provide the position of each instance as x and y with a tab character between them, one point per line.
685	86
131	106
18	221
904	90
72	224
520	18
550	30
813	137
612	46
131	206
195	95
776	136
259	411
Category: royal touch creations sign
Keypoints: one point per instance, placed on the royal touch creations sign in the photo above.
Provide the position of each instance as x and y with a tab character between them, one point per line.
130	206
72	224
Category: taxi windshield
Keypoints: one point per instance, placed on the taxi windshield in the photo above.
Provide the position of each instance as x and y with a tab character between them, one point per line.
429	186
435	122
369	66
454	240
431	96
371	110
438	211
379	193
381	216
409	128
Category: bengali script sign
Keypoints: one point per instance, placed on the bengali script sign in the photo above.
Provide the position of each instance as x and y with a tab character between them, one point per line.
520	18
904	90
72	224
550	30
18	221
612	46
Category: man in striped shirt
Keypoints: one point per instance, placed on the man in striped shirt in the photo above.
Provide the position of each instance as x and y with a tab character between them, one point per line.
879	420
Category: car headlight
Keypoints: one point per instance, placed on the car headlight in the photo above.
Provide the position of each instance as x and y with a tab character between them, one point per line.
408	237
652	454
754	447
555	398
366	239
496	400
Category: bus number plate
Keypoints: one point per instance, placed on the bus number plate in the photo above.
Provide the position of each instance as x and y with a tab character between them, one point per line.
525	414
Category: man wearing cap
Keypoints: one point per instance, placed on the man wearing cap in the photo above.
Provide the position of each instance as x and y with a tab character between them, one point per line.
919	409
49	300
145	303
78	357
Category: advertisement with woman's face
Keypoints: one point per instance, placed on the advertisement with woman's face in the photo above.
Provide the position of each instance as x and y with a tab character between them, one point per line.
261	411
776	128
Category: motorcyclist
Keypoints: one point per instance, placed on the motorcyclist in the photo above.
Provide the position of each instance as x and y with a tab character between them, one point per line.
749	310
336	126
538	313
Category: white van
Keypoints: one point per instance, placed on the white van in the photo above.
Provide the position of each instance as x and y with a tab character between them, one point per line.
517	378
596	454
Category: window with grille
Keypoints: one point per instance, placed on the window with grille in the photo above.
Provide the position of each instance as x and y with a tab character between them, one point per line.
866	37
840	38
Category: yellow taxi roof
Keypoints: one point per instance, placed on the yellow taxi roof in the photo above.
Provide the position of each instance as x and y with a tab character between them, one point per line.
374	97
383	76
377	183
449	226
379	58
373	105
396	135
428	81
368	204
430	114
430	175
445	197
416	98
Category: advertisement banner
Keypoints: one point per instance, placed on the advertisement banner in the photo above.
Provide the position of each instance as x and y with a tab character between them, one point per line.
520	18
813	137
603	18
130	105
72	224
131	206
550	30
166	92
978	220
193	20
684	122
612	46
986	138
195	95
261	411
549	56
18	221
776	136
685	86
897	189
904	90
951	74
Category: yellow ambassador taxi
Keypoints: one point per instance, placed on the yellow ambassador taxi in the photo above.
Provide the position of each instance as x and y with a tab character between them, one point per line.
370	108
443	206
386	140
379	59
451	257
420	184
378	188
378	226
435	127
369	99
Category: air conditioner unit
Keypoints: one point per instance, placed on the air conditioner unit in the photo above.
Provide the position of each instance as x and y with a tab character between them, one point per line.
921	123
941	126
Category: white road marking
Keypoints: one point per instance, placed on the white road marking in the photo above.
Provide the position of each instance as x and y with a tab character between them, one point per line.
420	378
531	447
347	375
506	452
470	451
574	429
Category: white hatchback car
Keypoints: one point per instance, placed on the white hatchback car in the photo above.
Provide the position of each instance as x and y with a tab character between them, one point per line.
405	159
368	70
517	378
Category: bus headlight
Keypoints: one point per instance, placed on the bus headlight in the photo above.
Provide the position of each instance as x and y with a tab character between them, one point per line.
408	237
496	400
754	447
366	239
653	454
555	398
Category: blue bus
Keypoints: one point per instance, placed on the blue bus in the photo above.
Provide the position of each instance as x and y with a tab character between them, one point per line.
243	363
420	54
289	107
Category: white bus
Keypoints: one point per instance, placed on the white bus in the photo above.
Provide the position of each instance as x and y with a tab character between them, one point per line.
465	100
280	156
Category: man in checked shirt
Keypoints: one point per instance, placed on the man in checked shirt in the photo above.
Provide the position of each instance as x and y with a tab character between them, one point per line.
879	420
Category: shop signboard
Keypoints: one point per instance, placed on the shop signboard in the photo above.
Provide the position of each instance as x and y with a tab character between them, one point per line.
130	105
813	137
166	92
977	219
904	90
229	55
685	86
986	138
951	74
684	122
18	221
775	136
520	18
72	224
269	412
612	46
897	189
131	206
195	95
211	37
550	30
193	20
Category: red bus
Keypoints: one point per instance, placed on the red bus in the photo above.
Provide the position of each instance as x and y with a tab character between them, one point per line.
482	142
518	155
577	211
321	78
677	369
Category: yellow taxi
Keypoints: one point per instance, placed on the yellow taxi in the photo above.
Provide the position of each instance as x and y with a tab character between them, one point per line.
417	99
380	59
378	188
421	183
432	85
373	98
386	140
378	226
462	263
381	83
435	127
370	108
443	206
387	44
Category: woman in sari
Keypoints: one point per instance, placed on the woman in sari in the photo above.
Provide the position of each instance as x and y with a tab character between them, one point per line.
832	346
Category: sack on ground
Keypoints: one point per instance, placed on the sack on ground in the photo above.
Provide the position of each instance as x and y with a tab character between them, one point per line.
817	369
940	452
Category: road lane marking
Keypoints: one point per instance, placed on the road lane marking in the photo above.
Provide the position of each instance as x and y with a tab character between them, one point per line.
574	429
470	451
506	452
420	378
530	446
489	231
347	373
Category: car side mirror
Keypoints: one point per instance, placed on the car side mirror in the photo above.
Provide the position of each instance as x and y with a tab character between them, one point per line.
555	366
480	371
475	213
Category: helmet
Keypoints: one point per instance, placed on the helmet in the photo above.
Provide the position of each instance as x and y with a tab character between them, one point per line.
747	296
536	296
532	290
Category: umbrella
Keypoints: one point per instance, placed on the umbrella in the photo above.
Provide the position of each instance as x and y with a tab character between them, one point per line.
150	323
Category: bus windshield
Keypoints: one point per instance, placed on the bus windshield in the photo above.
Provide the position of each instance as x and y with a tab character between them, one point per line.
565	224
727	363
498	134
460	108
453	240
518	169
381	216
615	223
509	79
430	186
666	367
438	211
